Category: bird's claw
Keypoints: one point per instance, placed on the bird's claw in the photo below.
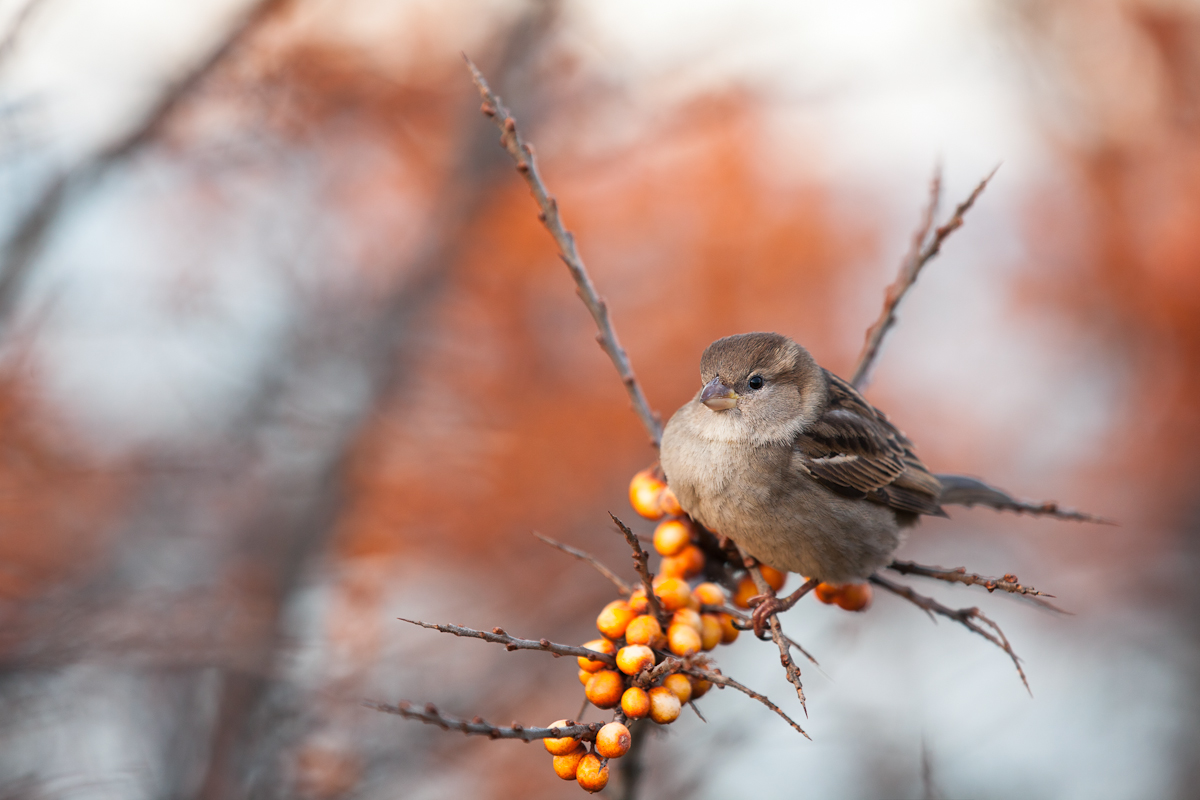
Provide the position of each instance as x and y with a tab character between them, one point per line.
765	606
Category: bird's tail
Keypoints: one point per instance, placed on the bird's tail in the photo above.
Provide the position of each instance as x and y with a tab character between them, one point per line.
960	490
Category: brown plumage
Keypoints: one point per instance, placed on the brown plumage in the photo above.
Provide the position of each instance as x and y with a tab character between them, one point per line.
789	461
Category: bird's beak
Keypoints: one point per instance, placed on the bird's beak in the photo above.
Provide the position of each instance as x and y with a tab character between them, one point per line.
718	396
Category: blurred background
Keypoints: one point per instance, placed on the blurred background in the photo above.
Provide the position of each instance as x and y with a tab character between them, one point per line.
285	355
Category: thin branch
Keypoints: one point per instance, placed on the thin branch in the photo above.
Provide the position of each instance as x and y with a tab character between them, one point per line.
17	28
582	555
924	249
781	641
522	155
961	490
744	624
499	636
1009	583
641	561
480	727
722	680
963	616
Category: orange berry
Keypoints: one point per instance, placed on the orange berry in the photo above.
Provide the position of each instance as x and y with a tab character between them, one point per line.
745	590
566	765
591	774
683	640
855	596
605	688
600	646
680	686
672	593
584	676
613	619
560	747
643	630
774	578
687	564
686	616
613	740
664	705
645	492
700	687
637	601
729	633
634	658
710	594
635	702
827	593
670	503
710	631
671	536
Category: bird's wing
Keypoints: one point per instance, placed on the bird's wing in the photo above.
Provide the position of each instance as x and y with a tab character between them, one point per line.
854	450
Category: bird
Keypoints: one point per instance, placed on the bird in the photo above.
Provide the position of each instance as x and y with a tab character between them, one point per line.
790	462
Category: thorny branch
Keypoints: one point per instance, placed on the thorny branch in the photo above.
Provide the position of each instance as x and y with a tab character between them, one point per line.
781	641
743	624
641	560
582	555
963	616
499	636
522	153
1009	583
721	680
429	714
923	250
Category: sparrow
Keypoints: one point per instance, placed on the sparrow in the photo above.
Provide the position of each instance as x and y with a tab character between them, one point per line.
791	463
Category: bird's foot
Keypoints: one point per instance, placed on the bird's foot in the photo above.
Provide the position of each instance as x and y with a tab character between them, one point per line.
768	605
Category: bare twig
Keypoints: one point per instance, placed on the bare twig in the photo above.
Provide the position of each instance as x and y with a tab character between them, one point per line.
961	490
641	560
781	641
722	680
743	623
499	636
1009	583
963	616
480	727
522	155
923	250
17	28
582	555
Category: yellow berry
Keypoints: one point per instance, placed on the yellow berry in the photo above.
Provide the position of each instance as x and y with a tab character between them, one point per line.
613	740
855	596
774	578
643	630
683	640
686	616
680	686
605	688
669	503
600	646
827	593
635	702
664	705
671	536
745	590
591	774
637	601
710	594
634	658
613	619
645	493
584	676
710	631
560	747
566	765
672	593
699	687
729	633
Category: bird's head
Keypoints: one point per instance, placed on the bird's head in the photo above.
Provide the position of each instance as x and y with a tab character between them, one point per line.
761	386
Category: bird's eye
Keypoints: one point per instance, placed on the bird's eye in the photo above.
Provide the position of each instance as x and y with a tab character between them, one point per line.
756	382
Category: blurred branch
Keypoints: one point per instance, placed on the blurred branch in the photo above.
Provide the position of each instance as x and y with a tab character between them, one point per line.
959	490
1009	583
29	234
924	249
621	585
641	561
522	155
499	636
721	680
16	30
963	616
480	727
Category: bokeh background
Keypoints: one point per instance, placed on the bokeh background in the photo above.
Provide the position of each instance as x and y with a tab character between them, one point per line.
286	355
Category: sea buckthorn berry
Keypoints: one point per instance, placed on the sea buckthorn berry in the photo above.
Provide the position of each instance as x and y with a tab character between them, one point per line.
565	766
643	630
687	564
605	688
600	646
669	503
854	596
634	658
774	578
686	616
827	593
729	633
671	536
645	493
700	687
613	619
664	705
710	631
683	640
680	686
613	740
637	601
710	594
745	590
672	593
635	702
584	676
560	747
591	774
